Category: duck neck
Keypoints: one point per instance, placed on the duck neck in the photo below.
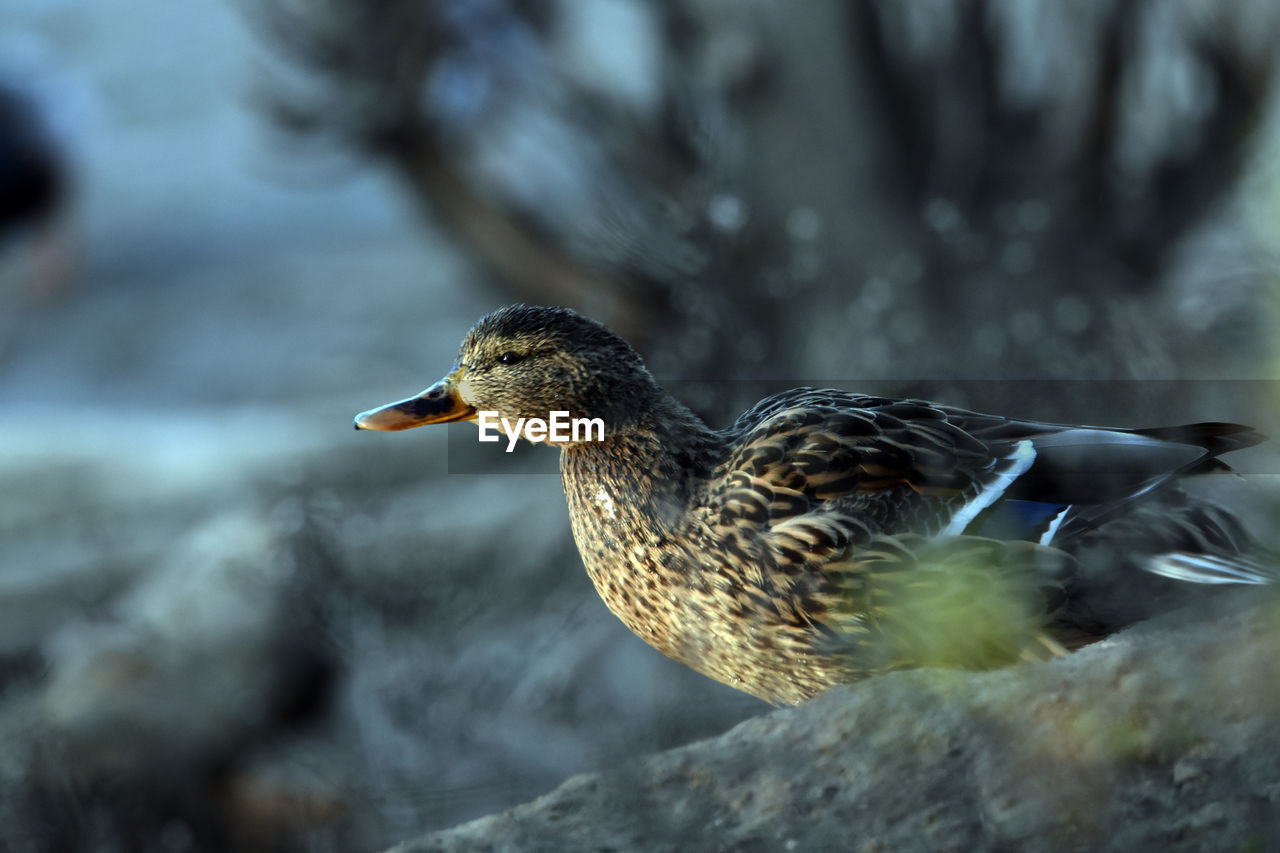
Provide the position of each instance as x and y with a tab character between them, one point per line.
642	475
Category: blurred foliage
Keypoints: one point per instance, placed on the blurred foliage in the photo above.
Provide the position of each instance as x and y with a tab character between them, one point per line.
871	189
967	603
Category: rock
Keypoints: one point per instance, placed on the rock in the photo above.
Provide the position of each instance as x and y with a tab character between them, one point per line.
1162	737
192	660
145	715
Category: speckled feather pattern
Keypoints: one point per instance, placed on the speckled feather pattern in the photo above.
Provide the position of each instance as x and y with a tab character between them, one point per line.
769	572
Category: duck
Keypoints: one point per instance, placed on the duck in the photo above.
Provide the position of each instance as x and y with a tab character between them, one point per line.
826	536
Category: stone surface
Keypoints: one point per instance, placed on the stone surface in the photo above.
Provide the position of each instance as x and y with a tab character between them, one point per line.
1162	738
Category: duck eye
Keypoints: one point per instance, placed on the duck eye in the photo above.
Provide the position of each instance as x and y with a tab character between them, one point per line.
510	358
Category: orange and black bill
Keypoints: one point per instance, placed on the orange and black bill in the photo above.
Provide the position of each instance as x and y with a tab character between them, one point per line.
438	404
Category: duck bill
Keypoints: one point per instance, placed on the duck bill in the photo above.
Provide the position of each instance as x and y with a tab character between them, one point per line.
439	404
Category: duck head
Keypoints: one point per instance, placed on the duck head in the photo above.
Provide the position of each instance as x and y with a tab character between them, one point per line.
526	362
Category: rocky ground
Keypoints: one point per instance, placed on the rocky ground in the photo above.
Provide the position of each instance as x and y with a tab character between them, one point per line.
1161	738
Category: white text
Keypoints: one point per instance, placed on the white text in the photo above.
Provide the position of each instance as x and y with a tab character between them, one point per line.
559	428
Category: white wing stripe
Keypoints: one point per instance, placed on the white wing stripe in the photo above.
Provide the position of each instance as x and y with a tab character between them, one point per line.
1052	530
1020	460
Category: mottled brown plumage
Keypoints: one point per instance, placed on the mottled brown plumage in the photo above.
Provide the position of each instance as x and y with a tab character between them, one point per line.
828	535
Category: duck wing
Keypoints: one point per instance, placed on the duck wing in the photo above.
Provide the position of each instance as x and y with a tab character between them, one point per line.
816	482
902	533
913	466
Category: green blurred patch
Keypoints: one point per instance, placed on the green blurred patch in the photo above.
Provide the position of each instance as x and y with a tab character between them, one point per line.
965	603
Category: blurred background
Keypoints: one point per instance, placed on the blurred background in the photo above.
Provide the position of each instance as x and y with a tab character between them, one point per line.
228	621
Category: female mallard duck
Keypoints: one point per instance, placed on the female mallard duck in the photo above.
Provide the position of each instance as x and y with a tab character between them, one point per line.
828	535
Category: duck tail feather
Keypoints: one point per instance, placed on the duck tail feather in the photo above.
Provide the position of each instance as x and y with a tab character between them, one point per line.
1210	569
1214	436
